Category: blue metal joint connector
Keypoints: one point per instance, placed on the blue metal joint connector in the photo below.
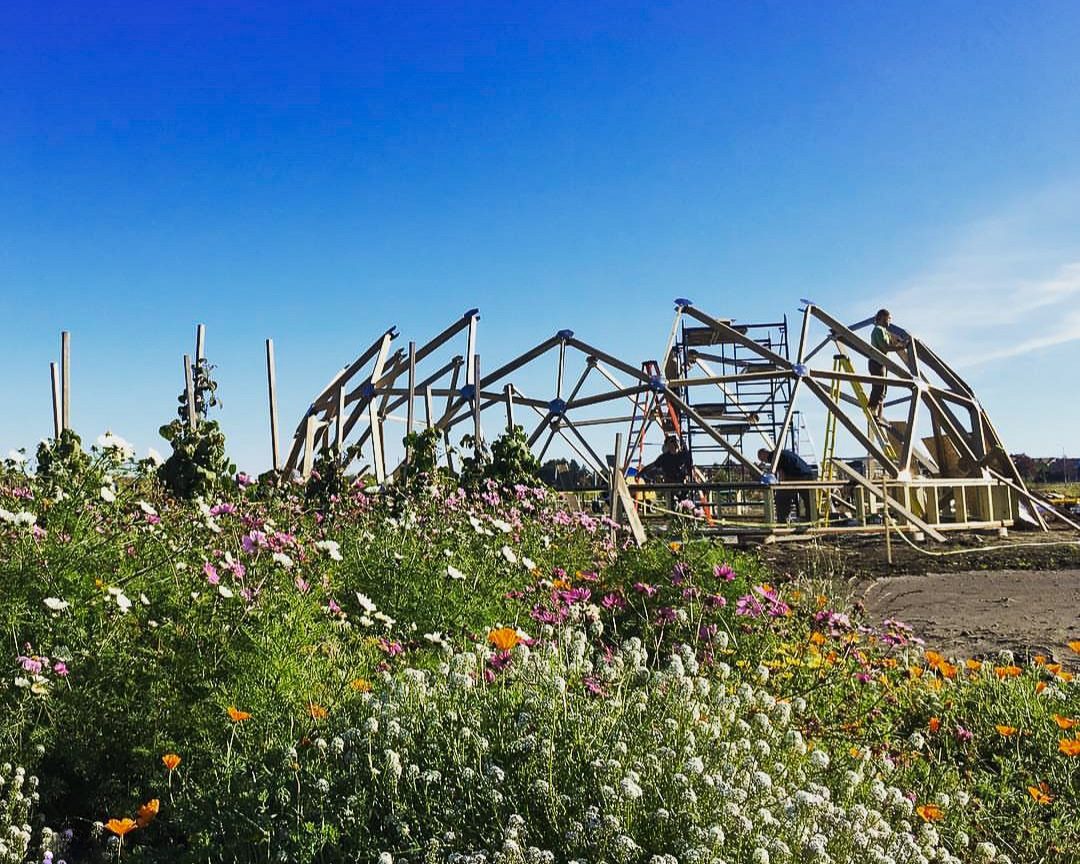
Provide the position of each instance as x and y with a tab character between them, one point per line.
367	389
657	383
557	407
468	391
801	370
682	302
768	479
565	334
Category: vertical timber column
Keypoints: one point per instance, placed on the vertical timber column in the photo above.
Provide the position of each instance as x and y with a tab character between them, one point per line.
54	380
310	428
470	351
477	445
65	378
429	408
508	394
189	391
412	389
339	423
612	486
200	343
271	388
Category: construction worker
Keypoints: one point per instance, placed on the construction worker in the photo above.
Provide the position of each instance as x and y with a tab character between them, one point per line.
672	465
790	467
883	341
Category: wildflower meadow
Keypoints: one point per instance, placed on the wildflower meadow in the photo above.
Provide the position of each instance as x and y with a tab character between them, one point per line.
465	670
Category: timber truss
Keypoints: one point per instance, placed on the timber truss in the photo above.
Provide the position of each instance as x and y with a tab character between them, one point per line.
940	463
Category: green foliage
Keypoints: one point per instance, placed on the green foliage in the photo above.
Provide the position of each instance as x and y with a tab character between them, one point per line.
198	465
61	462
507	462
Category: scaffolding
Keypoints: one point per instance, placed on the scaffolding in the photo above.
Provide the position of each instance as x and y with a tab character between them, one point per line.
753	403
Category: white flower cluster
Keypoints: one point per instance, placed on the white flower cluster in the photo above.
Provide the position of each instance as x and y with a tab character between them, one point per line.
608	757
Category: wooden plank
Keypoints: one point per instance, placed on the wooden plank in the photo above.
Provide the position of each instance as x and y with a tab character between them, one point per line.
519	361
478	448
189	392
857	343
1035	501
65	380
339	424
311	426
613	497
622	493
271	388
908	446
54	381
412	388
200	343
470	353
888	500
508	392
733	335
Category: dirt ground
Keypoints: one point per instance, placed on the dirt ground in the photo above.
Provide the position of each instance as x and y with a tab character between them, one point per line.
972	602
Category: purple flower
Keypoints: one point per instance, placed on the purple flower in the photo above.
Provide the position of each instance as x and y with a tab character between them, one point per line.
222	509
60	668
963	735
613	601
31	665
644	588
707	632
723	572
665	616
679	573
243	480
302	585
575	595
211	573
749	606
593	686
500	660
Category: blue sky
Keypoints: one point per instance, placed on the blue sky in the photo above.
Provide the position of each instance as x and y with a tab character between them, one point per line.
317	172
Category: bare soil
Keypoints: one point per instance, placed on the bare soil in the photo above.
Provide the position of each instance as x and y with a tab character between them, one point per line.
987	594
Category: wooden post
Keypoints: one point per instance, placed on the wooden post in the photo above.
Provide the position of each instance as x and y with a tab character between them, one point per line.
271	387
189	389
429	408
613	484
200	343
65	377
311	426
54	379
412	388
470	353
885	518
508	393
476	406
339	423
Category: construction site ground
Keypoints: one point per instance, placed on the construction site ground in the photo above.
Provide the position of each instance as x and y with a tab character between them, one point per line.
985	594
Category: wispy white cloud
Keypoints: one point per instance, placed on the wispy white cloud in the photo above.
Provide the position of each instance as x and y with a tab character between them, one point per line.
1011	285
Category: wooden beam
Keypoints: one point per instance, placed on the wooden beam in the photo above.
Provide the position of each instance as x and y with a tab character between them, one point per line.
888	500
508	392
412	388
879	454
65	380
857	343
271	388
732	335
54	381
189	392
200	343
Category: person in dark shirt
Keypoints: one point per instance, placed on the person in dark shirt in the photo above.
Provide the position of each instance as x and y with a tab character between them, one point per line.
885	342
790	467
671	466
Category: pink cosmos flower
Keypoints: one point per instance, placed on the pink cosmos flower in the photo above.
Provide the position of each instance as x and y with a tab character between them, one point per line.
211	573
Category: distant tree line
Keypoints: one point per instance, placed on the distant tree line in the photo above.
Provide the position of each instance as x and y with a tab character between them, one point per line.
1047	469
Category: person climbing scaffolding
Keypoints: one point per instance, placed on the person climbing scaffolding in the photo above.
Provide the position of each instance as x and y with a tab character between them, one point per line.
884	341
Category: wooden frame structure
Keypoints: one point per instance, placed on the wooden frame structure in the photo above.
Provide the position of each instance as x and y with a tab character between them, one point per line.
942	465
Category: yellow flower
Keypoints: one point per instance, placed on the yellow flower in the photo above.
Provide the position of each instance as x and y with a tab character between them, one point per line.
120	827
1041	793
929	812
316	711
674	545
1064	722
361	685
1004	672
1075	645
505	638
237	716
934	725
1069	746
171	760
148	811
1005	731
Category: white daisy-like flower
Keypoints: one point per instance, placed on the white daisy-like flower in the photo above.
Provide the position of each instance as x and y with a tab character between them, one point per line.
107	495
509	555
502	525
123	602
454	573
55	604
147	508
109	441
331	548
224	592
366	603
283	559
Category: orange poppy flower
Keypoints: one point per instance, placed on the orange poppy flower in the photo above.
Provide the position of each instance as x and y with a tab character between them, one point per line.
147	812
1005	731
1052	668
817	638
120	827
914	672
1004	672
316	711
1040	686
1065	676
930	812
237	716
561	584
674	545
361	685
1064	722
171	760
1075	645
1069	746
504	638
1039	659
934	725
855	753
1041	793
973	665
